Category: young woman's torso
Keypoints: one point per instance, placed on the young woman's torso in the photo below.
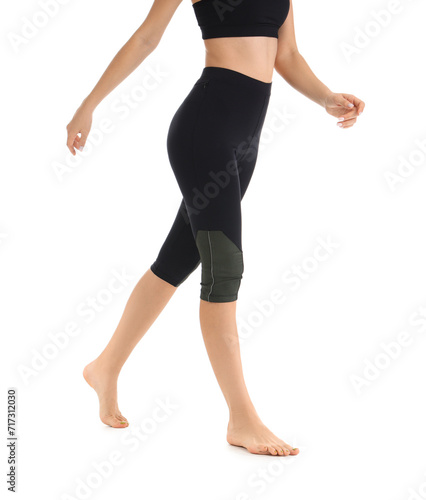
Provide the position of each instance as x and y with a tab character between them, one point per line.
254	56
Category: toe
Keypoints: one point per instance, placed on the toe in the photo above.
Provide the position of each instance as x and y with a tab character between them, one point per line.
281	451
286	451
272	450
289	449
258	449
118	422
113	421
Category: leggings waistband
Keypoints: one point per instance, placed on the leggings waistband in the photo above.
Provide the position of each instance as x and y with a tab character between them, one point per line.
212	72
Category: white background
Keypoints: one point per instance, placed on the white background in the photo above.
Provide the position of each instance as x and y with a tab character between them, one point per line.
61	235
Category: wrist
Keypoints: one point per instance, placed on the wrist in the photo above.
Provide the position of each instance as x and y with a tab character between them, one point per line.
89	104
325	96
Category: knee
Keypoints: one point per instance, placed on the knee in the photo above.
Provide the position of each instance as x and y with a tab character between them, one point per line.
174	273
173	279
222	266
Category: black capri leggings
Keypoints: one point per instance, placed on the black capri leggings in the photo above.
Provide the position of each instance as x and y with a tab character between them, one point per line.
212	145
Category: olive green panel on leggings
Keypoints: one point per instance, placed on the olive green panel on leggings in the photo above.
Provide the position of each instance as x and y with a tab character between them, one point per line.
222	266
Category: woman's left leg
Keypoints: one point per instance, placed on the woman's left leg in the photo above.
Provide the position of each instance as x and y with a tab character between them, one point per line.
212	143
245	427
220	334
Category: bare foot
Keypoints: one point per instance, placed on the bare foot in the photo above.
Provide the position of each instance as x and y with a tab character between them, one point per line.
105	386
250	433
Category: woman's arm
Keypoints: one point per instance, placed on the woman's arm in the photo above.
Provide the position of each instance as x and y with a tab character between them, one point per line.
291	65
145	39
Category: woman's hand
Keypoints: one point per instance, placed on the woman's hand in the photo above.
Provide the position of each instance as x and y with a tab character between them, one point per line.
338	105
80	124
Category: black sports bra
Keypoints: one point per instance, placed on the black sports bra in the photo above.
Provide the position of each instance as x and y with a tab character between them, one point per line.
229	18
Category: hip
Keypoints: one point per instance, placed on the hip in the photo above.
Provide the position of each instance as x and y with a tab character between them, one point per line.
224	106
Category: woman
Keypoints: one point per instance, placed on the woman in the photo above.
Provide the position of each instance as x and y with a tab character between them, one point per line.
212	145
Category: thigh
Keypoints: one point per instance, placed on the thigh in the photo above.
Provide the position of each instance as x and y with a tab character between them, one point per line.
212	146
201	145
214	202
178	256
249	151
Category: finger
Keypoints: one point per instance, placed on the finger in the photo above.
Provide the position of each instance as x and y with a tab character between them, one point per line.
82	140
350	114
341	100
360	105
70	144
351	98
77	143
347	123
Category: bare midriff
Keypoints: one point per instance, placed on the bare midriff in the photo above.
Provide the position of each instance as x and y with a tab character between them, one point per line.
251	55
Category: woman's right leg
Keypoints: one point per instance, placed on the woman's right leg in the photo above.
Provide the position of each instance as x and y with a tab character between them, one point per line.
176	260
145	303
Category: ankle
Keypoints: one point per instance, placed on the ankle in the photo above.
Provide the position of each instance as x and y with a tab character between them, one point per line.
106	367
242	415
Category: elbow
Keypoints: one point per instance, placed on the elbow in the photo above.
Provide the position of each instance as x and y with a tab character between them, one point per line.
148	37
286	57
149	42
